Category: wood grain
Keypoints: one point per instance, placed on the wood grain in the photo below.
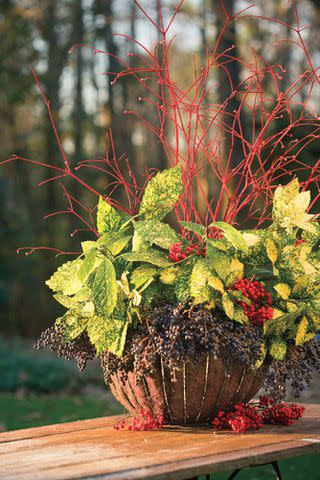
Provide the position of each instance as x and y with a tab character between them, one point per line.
92	449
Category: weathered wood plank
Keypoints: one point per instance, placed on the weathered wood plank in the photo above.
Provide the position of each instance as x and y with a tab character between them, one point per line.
92	449
59	428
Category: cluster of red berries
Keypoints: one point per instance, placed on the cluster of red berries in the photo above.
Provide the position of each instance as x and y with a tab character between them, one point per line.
215	233
259	309
282	414
252	416
178	251
299	241
146	421
243	417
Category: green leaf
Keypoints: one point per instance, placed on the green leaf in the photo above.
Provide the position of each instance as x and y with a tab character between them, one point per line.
228	305
65	280
150	232
278	349
87	245
283	323
161	194
104	288
239	316
108	334
114	242
84	295
108	218
218	260
90	263
232	235
236	271
67	302
301	284
158	259
194	227
264	351
283	290
142	274
169	275
72	324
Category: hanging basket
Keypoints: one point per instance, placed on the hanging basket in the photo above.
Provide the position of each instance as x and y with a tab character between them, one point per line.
200	390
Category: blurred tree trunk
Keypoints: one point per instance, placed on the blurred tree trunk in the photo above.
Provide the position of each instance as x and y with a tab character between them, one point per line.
227	84
111	48
78	110
51	84
203	29
228	41
117	95
159	161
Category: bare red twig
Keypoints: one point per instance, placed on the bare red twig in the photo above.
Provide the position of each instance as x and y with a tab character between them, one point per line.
192	127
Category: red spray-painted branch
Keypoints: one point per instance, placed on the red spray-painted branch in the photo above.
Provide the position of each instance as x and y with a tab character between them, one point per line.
205	136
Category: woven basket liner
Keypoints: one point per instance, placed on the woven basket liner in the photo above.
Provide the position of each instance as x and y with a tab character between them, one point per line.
200	390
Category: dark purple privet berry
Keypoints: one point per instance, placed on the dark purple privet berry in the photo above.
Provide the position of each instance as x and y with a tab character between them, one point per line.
79	349
183	334
295	370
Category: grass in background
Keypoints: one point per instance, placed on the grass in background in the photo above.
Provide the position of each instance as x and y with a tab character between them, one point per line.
36	410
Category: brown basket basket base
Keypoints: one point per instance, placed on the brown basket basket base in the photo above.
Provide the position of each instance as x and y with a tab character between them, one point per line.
200	390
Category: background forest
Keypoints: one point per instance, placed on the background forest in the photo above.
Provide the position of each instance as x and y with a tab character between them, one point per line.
85	105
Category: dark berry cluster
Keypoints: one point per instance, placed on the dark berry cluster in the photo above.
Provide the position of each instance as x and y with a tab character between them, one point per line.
178	251
79	349
180	334
146	421
215	233
296	370
243	417
259	309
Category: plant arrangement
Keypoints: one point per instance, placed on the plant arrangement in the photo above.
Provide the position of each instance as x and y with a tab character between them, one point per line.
193	302
144	292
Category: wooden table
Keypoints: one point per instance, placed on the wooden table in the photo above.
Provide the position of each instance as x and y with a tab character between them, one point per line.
92	449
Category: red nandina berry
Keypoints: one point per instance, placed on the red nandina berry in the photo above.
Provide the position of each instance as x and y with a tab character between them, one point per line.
265	401
243	417
215	233
260	308
145	422
282	414
299	241
178	251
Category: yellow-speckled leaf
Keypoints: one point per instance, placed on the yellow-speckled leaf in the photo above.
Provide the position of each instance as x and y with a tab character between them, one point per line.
277	313
302	331
283	290
228	305
262	357
161	194
278	349
65	280
251	239
272	250
216	283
